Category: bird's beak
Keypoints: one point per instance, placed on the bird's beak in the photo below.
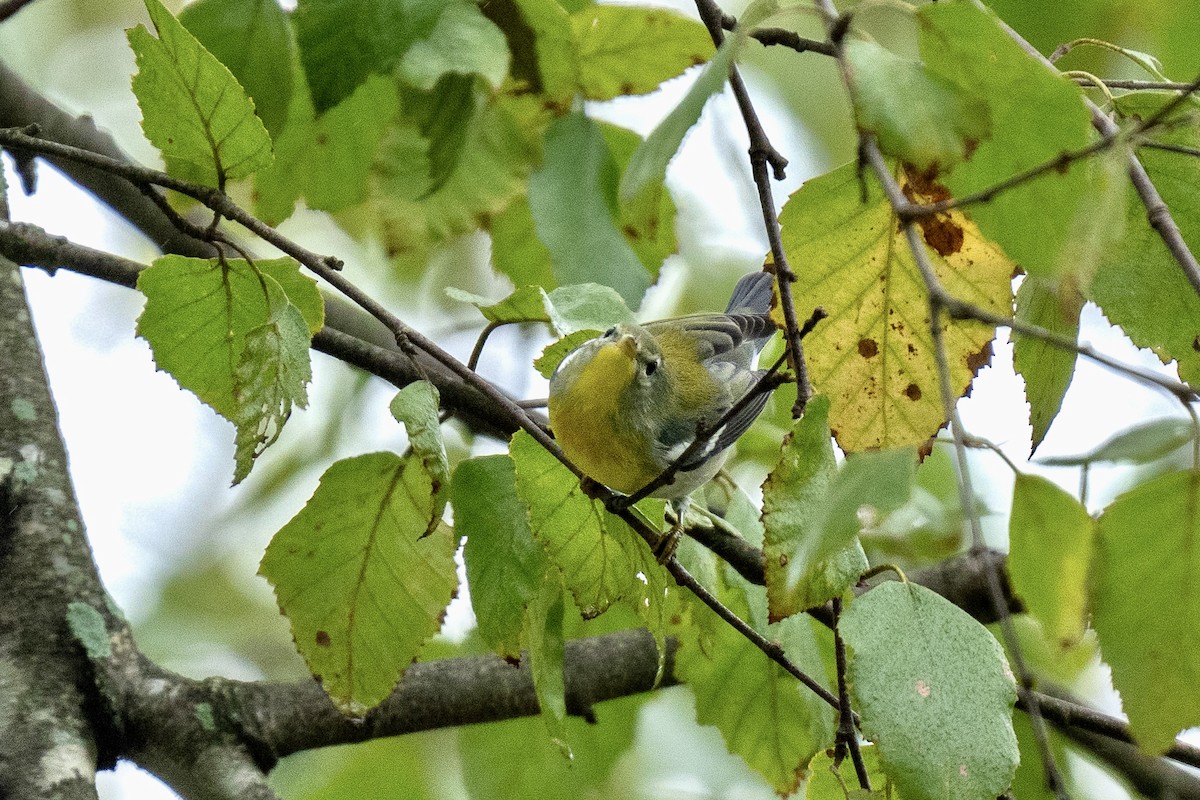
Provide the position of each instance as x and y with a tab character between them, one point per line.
628	345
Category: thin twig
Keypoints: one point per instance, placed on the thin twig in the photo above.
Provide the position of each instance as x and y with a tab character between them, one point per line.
1172	148
10	7
477	350
1119	83
771	649
847	734
763	153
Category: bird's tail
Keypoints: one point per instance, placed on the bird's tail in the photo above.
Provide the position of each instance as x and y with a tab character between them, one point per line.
752	295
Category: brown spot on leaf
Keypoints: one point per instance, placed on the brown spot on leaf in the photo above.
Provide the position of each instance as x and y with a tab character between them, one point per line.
323	639
924	450
912	392
783	559
976	361
627	88
1196	344
969	145
942	234
868	348
921	186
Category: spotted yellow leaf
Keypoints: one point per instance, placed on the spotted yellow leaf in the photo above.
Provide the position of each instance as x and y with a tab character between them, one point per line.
874	356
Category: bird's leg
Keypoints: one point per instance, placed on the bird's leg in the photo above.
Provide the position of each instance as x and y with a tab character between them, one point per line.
669	543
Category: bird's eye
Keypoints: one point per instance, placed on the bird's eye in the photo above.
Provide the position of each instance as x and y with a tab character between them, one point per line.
651	366
608	334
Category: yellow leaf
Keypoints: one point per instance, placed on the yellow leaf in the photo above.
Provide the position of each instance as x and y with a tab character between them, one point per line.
873	356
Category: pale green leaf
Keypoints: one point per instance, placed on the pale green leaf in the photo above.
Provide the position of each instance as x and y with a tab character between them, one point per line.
1145	603
555	352
874	354
626	50
544	634
193	109
805	568
574	214
505	565
271	375
917	116
417	406
360	584
1050	537
595	562
586	306
525	304
1036	116
648	220
1047	369
1141	444
516	250
934	692
254	39
462	41
1140	285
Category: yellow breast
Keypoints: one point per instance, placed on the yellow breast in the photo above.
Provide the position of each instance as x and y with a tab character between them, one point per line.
589	426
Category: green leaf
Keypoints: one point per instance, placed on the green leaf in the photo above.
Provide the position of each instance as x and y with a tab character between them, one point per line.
301	290
463	41
764	714
540	37
193	109
874	355
1047	369
648	165
917	116
254	39
1036	116
1145	604
1050	537
554	353
417	406
547	647
516	250
626	50
573	211
525	304
1139	285
342	42
804	568
586	306
360	583
648	220
198	314
271	375
505	565
934	691
1140	444
595	561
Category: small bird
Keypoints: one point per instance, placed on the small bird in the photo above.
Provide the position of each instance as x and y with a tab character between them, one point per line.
627	404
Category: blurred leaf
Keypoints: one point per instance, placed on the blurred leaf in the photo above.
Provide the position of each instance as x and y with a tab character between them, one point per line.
805	568
828	780
516	251
934	691
1050	537
198	314
543	629
1140	444
765	715
873	355
627	50
254	39
555	71
408	766
417	407
515	759
272	372
360	582
572	198
648	220
414	206
1147	557
505	566
342	42
193	109
595	561
1139	285
462	41
1046	369
919	117
648	165
1036	116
